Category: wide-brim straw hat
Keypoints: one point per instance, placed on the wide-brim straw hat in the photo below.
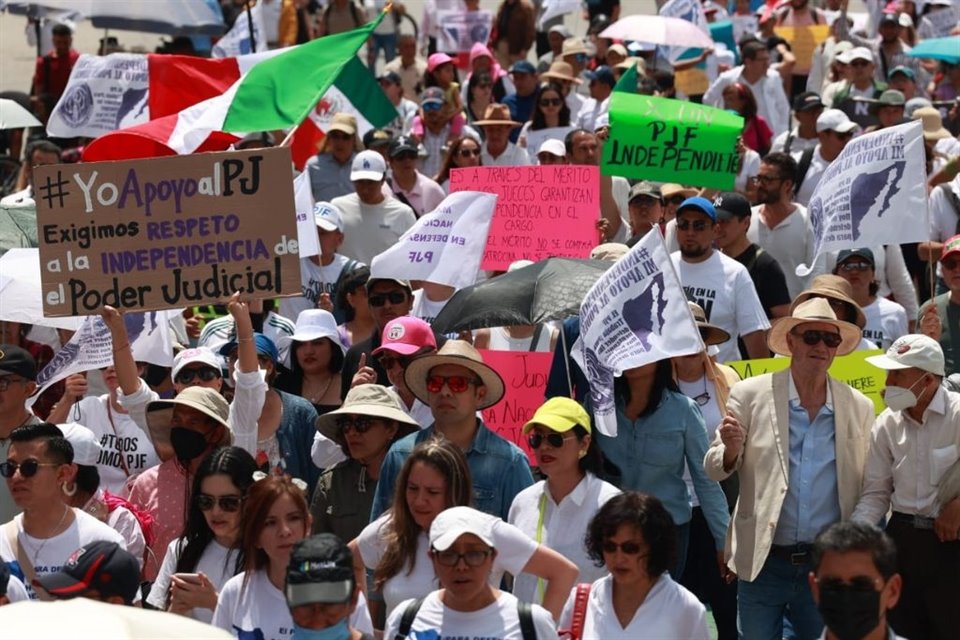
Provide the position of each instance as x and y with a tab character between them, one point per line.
497	114
560	70
711	333
371	400
832	286
461	354
813	310
207	401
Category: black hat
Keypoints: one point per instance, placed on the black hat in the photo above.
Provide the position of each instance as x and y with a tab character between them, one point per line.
863	253
807	100
376	138
100	565
403	144
731	205
890	18
320	571
17	361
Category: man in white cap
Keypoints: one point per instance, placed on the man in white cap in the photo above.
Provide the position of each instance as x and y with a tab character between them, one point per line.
915	442
798	440
854	97
552	151
834	130
370	221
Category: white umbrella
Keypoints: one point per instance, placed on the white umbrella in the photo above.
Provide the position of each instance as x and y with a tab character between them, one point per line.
658	30
170	17
84	619
21	298
14	116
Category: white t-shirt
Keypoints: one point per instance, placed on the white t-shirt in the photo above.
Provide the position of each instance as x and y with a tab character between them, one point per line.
886	321
425	308
564	527
514	550
50	554
669	611
216	562
498	621
314	280
791	243
124	443
723	289
371	229
711	418
16	592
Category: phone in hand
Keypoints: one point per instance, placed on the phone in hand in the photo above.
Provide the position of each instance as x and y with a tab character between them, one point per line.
192	578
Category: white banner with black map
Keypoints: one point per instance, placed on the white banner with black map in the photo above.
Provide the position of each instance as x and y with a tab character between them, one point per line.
873	193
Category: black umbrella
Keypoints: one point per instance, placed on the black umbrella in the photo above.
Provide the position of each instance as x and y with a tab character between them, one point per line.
547	290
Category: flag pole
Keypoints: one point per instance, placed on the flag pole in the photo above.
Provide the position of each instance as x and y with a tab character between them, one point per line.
253	37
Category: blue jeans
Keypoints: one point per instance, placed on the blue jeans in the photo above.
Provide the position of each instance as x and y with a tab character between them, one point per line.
781	589
378	41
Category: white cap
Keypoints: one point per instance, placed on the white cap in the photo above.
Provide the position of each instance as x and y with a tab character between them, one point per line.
327	217
86	447
859	53
905	20
201	355
835	120
912	351
554	147
457	521
368	165
313	324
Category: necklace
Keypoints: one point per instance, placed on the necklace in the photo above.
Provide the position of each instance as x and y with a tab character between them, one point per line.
56	530
318	397
704	397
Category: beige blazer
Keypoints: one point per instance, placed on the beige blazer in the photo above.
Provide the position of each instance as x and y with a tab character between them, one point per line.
761	406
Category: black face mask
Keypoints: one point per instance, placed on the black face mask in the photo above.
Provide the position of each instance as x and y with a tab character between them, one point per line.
848	612
187	444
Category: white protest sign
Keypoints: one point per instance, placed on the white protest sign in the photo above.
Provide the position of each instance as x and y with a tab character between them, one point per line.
635	314
554	8
306	227
943	20
237	41
873	193
445	246
536	137
460	30
743	26
689	10
103	94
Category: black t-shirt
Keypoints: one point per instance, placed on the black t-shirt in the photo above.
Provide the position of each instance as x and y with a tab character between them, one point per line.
767	276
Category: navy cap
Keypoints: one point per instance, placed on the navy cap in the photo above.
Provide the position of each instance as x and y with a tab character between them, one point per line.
863	253
376	138
602	74
264	345
890	18
523	66
17	361
730	204
699	204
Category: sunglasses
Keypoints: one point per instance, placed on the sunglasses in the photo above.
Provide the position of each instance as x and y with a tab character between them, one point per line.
227	504
28	468
432	106
856	266
629	548
457	384
551	102
555	440
389	362
468	153
698	225
452	558
360	424
203	373
812	336
6	381
949	265
394	297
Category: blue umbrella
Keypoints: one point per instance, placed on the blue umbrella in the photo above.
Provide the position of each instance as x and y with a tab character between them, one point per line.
946	49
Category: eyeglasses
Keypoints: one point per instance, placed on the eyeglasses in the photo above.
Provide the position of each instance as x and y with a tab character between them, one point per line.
432	106
551	102
766	179
389	362
28	468
406	155
393	297
227	504
467	153
206	374
457	384
452	558
856	266
949	265
6	381
555	440
864	584
698	225
811	337
360	424
629	548
702	399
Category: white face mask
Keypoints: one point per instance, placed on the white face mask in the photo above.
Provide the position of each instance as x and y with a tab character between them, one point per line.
900	399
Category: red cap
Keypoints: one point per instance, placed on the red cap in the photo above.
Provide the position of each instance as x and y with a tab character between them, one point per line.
951	247
406	335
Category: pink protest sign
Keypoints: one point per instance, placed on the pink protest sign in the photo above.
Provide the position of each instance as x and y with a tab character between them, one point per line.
525	376
542	211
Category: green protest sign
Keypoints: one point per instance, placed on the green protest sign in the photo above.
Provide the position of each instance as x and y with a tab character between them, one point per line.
668	140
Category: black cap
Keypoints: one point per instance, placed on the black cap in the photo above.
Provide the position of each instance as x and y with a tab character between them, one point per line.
376	138
320	571
889	18
17	361
100	565
807	100
863	253
403	144
730	204
391	76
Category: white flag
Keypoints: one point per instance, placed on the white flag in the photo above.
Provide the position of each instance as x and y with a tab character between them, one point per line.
689	10
445	246
554	8
635	314
236	42
873	193
91	347
309	243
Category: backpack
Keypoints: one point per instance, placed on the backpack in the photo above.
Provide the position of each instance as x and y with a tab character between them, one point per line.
524	610
803	166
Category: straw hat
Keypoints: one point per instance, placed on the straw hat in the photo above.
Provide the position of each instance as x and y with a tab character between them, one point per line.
835	288
497	114
933	128
461	354
561	70
370	400
711	333
813	310
207	401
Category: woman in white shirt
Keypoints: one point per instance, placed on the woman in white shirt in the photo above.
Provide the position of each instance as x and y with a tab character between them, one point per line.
885	319
197	566
555	512
632	535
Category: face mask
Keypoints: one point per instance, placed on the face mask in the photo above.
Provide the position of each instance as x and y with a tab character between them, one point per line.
187	444
339	631
900	399
848	612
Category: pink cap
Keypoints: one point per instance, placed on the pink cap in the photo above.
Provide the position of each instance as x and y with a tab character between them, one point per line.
406	335
437	59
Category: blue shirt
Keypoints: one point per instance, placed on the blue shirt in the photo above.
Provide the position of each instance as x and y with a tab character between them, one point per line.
812	502
328	178
498	468
650	453
521	108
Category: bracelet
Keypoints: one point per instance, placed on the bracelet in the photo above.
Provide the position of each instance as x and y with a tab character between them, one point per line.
121	347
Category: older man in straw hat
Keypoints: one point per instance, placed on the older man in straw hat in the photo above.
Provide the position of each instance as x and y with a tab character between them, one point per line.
798	440
456	383
497	150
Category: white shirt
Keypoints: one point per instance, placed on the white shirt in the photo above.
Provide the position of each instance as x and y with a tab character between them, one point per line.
817	166
669	611
791	243
886	321
723	289
772	103
907	459
425	308
890	273
216	562
370	229
315	279
944	217
497	621
512	156
796	144
564	527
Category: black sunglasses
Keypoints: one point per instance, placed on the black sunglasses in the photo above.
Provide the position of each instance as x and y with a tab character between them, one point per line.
389	362
551	102
863	584
555	440
228	504
360	424
28	468
629	548
394	297
812	337
204	373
